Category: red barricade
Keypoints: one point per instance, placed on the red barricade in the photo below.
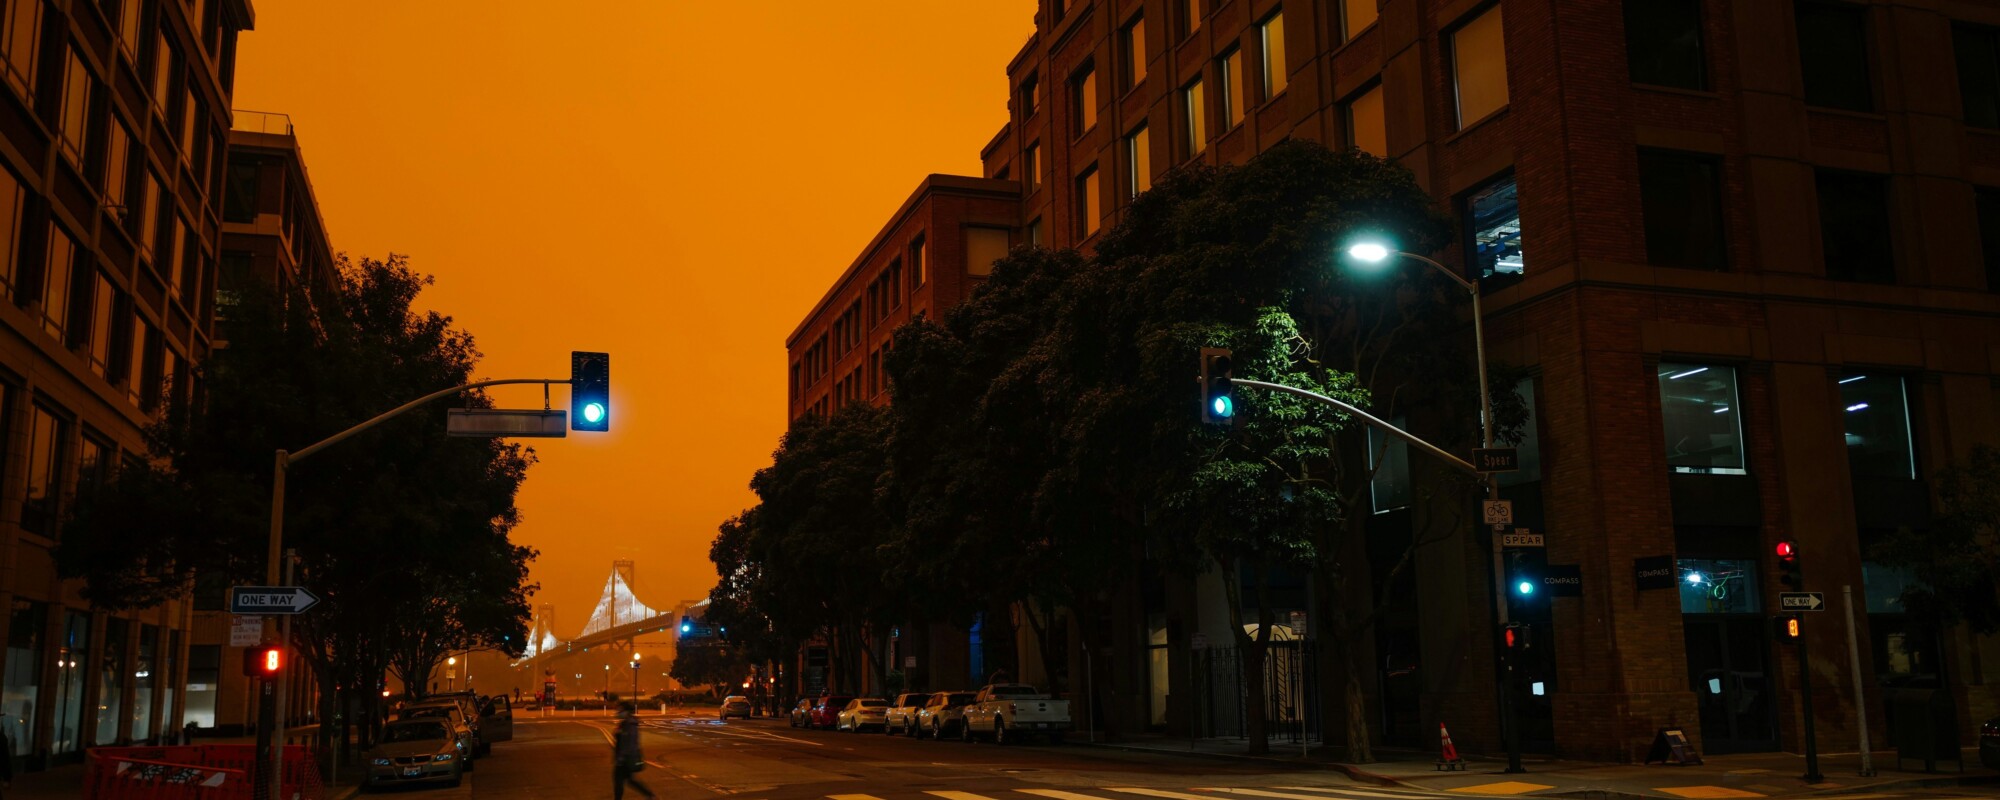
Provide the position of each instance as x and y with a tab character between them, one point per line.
192	772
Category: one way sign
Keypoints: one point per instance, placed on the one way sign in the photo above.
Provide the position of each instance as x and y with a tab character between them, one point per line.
270	599
1801	601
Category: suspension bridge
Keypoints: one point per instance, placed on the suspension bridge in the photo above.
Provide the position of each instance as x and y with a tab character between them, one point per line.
620	616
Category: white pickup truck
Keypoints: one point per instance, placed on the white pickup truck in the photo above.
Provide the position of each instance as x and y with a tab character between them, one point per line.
1009	712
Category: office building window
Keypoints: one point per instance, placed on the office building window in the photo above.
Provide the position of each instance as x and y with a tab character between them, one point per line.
1356	16
149	215
1479	67
1877	413
1833	56
190	280
919	262
75	110
1703	424
103	307
1083	92
1663	43
27	647
1031	95
984	247
47	433
130	14
190	119
170	378
1854	231
22	37
1031	167
1088	210
137	362
204	681
13	201
175	263
72	665
143	681
1132	42
1194	115
1987	203
1718	586
1271	47
1035	237
111	670
1367	128
1389	462
57	273
1977	50
1138	161
163	73
1190	16
1681	194
1493	217
1528	448
1229	68
117	157
93	465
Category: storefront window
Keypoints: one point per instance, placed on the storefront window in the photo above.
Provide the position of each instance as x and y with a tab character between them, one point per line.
1703	424
72	663
111	685
167	679
1157	674
25	644
204	678
1877	413
142	681
1718	586
1529	448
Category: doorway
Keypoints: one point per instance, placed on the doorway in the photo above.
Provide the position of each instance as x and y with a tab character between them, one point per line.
1729	672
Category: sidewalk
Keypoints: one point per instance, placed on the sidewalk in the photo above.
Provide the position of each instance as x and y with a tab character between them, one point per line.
1747	775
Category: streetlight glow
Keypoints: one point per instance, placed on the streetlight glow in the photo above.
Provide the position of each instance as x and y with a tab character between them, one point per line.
1371	252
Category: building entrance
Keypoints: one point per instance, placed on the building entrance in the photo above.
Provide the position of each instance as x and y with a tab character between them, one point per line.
1728	670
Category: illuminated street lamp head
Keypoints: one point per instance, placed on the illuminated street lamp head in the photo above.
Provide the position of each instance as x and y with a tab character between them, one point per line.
1370	252
452	661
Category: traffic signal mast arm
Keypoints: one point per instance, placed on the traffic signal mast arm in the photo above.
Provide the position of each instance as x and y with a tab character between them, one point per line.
1368	418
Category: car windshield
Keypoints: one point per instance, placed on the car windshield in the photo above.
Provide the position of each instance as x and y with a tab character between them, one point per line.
960	699
874	704
910	700
1011	691
414	732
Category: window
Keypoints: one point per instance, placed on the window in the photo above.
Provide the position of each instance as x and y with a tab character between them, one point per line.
190	117
1389	458
1031	96
1271	45
1681	194
1479	67
1190	17
1035	237
170	384
1719	586
1493	214
1703	424
22	38
1194	117
149	216
1529	447
143	681
175	263
93	465
204	679
163	72
103	305
919	264
1367	129
129	18
984	247
1833	56
1987	203
136	363
46	434
190	280
1854	230
1138	161
1357	15
117	155
1230	69
1978	52
1663	43
1877	413
1083	93
1132	41
27	648
1031	167
1087	207
111	680
75	110
57	272
13	200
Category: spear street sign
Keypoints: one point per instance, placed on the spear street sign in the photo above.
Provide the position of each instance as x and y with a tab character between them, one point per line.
270	599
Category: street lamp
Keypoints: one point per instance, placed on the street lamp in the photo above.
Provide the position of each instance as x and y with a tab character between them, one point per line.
450	674
635	677
607	683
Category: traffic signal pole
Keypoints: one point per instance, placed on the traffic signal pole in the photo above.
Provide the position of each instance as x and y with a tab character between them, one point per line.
1805	697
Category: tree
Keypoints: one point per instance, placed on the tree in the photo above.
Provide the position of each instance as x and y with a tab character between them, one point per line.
707	664
1952	564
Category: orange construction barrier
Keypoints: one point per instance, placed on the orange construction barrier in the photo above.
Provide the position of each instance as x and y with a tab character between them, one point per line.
1448	753
192	772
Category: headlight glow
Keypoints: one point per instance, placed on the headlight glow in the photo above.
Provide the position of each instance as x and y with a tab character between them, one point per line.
442	757
381	762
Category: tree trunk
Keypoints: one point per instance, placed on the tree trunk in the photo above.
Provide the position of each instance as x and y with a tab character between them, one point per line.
1360	750
1252	651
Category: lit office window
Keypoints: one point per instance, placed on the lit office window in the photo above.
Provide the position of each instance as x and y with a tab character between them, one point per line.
1681	198
46	434
1357	15
1367	129
1479	67
1089	212
75	110
1833	55
919	262
1083	91
57	272
129	17
1271	43
1493	213
1194	112
1718	586
983	248
1663	43
22	38
1138	161
1876	410
136	357
1230	69
148	212
1389	458
1132	40
163	72
1698	409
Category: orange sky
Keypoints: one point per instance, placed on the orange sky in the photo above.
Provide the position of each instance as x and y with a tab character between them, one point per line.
675	182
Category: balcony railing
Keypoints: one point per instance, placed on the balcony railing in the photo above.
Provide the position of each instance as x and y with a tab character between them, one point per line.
262	122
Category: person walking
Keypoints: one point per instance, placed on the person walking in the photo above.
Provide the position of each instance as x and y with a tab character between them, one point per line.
625	756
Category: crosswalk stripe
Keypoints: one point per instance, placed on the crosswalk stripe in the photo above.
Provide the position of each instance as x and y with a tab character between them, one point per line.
959	795
1058	794
1158	793
852	797
1340	791
1372	791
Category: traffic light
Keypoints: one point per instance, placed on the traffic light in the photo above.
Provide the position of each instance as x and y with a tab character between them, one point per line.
1524	576
687	625
1515	637
590	391
1788	627
1218	396
1788	566
263	661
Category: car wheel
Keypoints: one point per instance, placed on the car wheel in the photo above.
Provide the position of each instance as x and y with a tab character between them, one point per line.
911	730
1000	732
937	731
965	732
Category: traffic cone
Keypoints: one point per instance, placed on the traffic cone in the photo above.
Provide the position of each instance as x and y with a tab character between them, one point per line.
1448	753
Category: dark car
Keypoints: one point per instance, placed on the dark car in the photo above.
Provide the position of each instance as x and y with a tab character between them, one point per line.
826	711
414	750
802	714
1989	743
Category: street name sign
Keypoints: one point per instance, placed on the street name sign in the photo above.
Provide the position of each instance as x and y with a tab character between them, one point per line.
1496	459
1802	601
1522	537
270	599
493	423
1497	512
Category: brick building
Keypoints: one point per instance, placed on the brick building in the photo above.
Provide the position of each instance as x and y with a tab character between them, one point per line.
1749	252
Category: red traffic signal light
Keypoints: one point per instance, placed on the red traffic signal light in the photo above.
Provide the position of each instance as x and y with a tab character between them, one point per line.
1515	636
263	661
1788	550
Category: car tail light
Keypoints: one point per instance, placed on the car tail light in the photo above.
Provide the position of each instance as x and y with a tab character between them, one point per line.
1990	729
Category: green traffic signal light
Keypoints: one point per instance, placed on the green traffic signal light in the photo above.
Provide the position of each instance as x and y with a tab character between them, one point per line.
1218	395
590	391
593	412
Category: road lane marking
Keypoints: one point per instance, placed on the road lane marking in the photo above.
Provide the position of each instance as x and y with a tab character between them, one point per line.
1373	791
1158	793
1343	792
852	797
1504	787
1705	792
1058	794
959	795
758	735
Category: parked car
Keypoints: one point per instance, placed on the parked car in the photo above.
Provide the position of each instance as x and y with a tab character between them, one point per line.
826	711
413	750
861	712
902	714
735	705
802	714
453	715
1989	743
1007	712
942	713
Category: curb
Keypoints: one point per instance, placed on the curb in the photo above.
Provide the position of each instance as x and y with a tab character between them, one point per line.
1352	772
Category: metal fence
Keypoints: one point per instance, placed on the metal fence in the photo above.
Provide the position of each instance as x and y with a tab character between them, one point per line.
1291	692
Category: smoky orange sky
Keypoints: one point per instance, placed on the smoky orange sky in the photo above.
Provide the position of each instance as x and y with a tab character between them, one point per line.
674	182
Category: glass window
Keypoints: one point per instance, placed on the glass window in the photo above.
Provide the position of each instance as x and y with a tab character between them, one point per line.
1681	194
1883	588
1089	213
1854	231
204	680
1138	161
1493	213
75	109
13	200
45	448
1357	15
1031	167
93	465
26	645
22	39
1703	424
143	682
919	262
1479	67
1035	237
136	359
1031	95
1132	41
1719	586
149	215
1271	44
72	666
129	18
983	248
1190	17
1878	427
1083	91
1367	128
175	254
169	664
117	154
111	672
1977	50
1833	56
190	119
1389	458
1987	205
1529	448
57	273
163	72
1229	68
103	322
190	273
1663	43
1195	117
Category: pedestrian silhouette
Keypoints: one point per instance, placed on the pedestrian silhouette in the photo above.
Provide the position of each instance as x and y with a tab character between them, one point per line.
625	756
